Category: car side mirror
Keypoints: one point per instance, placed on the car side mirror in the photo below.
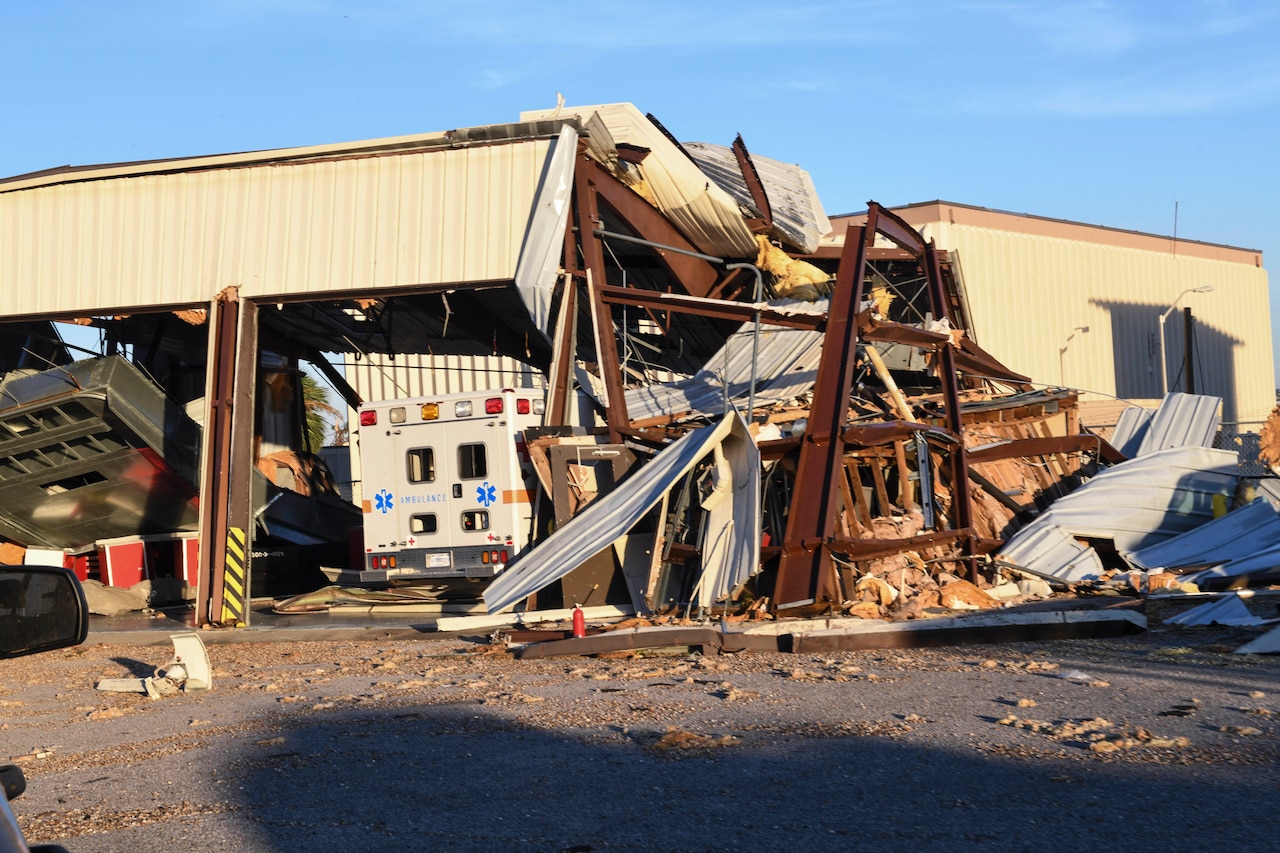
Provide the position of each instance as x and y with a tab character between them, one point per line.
41	608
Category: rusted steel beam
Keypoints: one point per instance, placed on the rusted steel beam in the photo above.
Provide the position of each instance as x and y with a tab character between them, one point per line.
961	497
976	361
886	432
587	216
899	231
715	308
871	329
1024	447
875	253
216	453
1107	451
695	275
754	185
803	569
870	549
730	285
226	520
558	395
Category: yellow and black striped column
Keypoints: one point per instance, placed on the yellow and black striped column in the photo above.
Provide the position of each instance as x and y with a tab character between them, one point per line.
234	577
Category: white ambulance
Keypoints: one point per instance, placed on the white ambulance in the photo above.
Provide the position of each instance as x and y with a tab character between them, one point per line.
448	486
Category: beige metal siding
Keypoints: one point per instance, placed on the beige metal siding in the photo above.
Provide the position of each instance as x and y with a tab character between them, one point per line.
274	229
376	377
1031	295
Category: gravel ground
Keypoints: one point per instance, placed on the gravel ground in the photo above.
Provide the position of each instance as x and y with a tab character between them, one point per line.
1162	741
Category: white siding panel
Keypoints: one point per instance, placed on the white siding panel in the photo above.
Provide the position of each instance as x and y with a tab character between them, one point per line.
1032	296
422	375
275	230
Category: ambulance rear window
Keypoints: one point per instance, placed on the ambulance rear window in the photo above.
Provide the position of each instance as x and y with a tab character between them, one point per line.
475	519
420	525
422	465
472	462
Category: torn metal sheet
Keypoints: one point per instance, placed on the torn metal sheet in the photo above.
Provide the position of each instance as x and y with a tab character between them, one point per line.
539	265
1183	420
707	215
797	214
1051	551
786	366
610	516
1238	534
1267	644
1130	430
1263	562
1229	610
1136	504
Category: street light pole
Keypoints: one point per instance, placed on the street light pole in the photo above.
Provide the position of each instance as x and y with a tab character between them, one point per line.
1164	369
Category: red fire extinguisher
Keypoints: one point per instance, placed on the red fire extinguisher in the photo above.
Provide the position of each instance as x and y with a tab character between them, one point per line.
579	622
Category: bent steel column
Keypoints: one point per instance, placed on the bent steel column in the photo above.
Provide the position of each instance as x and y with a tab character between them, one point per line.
805	564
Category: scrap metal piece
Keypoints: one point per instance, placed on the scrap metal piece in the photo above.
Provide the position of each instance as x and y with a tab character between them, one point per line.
1239	534
1183	420
188	671
728	565
1229	610
1135	504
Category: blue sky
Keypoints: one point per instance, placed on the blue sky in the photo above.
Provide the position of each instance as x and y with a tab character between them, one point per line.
1101	112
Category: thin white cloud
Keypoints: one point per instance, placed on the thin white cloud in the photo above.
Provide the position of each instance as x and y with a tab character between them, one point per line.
1149	96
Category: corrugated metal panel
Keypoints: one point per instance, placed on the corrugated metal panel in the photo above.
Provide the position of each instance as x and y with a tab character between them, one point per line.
1048	549
1267	644
798	216
1087	315
1228	610
786	366
1135	504
1239	533
707	215
376	377
1183	420
1131	429
275	230
727	563
1263	561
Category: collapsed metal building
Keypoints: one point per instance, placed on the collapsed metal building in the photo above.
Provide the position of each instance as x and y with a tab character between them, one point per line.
657	286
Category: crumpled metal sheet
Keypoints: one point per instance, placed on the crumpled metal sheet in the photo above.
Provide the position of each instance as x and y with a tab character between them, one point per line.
786	367
1051	550
1136	504
1240	533
1229	610
1264	561
703	211
798	216
727	562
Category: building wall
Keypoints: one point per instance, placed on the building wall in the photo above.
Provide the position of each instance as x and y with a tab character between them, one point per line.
83	243
1079	305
